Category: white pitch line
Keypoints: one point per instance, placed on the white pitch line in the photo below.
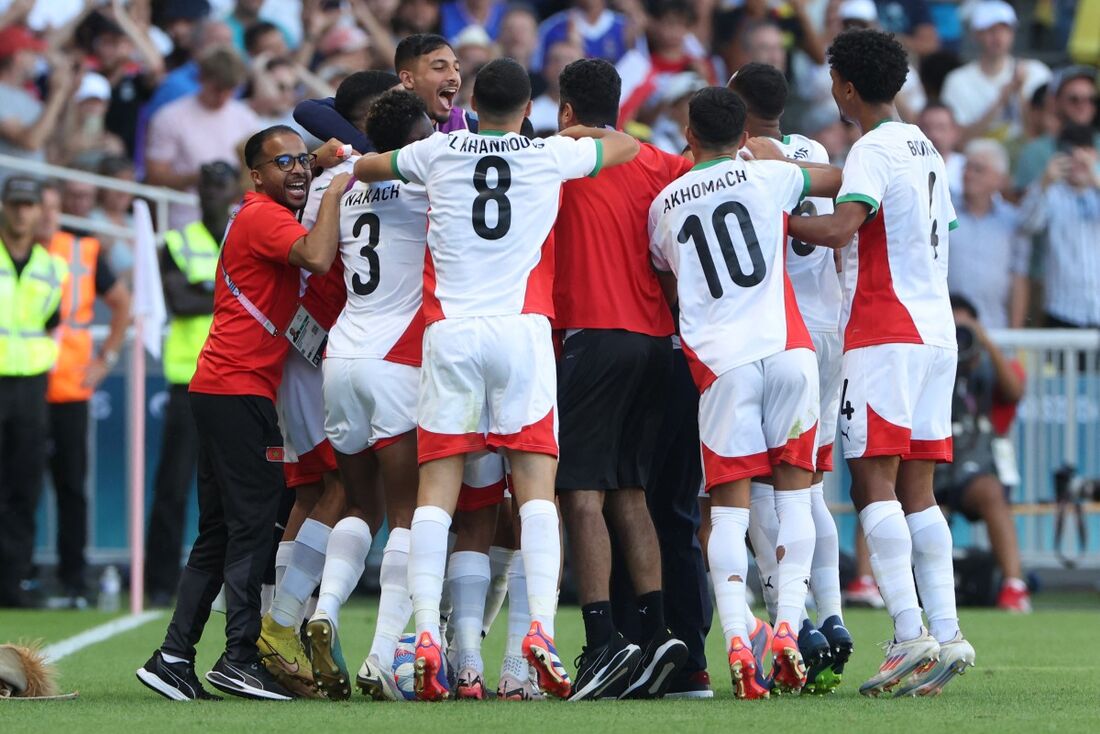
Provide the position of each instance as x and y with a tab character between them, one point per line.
95	635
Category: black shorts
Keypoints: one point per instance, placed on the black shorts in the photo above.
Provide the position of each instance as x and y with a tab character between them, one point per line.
612	391
950	488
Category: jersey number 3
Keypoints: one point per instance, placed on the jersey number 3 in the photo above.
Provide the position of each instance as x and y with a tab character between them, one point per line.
693	230
497	193
370	221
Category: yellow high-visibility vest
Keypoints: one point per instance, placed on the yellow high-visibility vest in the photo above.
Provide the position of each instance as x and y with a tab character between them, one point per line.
195	252
27	301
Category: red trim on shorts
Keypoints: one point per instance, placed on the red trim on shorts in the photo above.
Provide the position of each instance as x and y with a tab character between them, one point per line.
718	469
538	438
797	451
431	445
408	348
538	294
825	457
700	373
877	316
472	498
311	466
388	441
885	438
940	450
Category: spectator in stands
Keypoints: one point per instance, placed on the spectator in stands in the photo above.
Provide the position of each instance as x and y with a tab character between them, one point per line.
416	16
544	108
864	14
181	21
971	485
938	123
673	96
738	28
911	22
82	133
113	207
519	35
456	16
244	15
264	37
1064	205
988	259
1075	103
26	124
346	47
273	92
474	49
988	95
602	32
199	128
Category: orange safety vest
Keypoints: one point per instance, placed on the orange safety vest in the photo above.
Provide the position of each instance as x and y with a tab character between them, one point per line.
77	308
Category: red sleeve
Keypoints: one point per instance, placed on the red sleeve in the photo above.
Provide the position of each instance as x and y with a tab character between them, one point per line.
1003	413
675	165
274	232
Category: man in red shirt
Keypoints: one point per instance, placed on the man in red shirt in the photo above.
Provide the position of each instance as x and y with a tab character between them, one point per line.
613	379
240	472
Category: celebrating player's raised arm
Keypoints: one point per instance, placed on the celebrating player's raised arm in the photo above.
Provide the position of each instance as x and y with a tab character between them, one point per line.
831	230
618	147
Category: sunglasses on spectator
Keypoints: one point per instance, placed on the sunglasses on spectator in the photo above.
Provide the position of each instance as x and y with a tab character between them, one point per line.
1080	98
286	161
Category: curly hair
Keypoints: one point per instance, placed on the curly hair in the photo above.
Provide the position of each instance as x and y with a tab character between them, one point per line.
873	61
716	116
592	87
391	118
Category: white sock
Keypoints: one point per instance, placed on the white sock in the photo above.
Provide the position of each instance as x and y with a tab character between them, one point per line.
891	549
729	564
345	558
308	609
932	562
519	613
303	573
445	595
750	616
825	571
394	602
468	574
427	564
267	595
796	538
282	560
541	548
763	532
499	560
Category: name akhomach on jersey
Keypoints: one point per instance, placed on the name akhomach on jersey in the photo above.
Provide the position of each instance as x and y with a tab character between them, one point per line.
702	188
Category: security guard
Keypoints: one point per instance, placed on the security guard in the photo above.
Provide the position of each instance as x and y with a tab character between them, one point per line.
189	266
72	382
31	280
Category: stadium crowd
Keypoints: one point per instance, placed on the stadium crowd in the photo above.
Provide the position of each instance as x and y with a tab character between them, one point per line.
168	93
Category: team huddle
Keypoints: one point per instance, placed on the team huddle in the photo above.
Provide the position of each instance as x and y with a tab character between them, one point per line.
807	297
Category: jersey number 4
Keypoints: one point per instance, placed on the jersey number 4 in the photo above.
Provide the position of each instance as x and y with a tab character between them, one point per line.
693	230
370	221
487	193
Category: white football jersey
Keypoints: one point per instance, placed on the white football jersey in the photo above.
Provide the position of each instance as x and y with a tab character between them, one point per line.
895	276
721	229
382	239
812	269
494	199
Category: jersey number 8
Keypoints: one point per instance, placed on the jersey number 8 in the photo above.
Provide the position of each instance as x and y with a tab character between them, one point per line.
487	193
693	230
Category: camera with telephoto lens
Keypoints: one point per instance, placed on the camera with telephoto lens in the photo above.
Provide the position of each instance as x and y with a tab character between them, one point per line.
967	339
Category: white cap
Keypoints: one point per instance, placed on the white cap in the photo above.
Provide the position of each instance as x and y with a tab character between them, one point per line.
677	86
863	10
93	86
989	13
473	35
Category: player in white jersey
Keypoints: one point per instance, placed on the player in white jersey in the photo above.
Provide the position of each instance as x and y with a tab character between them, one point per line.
899	358
812	270
488	378
720	230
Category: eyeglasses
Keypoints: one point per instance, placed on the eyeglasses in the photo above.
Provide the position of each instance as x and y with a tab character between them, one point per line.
1081	99
286	161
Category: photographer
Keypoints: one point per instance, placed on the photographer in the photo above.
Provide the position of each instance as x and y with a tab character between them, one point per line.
986	382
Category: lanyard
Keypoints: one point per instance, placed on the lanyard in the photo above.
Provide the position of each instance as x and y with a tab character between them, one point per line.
252	309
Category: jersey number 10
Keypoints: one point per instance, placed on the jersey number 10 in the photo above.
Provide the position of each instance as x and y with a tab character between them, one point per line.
693	230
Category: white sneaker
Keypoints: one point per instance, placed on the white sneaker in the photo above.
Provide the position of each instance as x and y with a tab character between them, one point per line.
517	681
955	657
376	681
903	659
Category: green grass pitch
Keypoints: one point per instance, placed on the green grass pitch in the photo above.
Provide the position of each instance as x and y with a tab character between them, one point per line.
1035	673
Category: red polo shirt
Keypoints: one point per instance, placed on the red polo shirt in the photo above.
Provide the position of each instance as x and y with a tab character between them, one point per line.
242	355
603	277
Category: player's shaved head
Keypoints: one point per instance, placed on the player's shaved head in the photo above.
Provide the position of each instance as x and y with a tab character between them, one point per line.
871	61
397	118
502	90
716	118
762	88
592	87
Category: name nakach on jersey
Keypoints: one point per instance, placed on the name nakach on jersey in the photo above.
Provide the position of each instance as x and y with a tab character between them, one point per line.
374	195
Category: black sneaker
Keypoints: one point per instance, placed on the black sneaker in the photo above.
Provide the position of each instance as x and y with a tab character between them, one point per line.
662	657
604	672
815	651
247	680
174	681
690	685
